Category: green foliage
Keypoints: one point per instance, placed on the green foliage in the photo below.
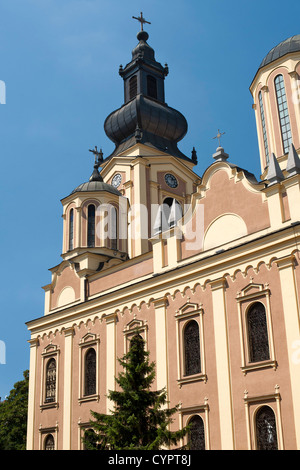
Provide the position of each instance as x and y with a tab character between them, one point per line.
141	418
13	417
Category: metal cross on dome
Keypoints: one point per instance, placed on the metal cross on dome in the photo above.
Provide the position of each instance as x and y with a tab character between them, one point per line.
142	20
218	136
98	155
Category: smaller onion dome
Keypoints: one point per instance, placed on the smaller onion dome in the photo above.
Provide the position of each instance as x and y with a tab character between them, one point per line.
96	186
287	46
96	182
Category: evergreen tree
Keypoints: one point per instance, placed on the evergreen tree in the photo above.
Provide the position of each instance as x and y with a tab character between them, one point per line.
140	419
13	416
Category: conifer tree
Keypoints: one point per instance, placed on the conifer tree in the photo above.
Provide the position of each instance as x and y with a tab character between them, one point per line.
141	418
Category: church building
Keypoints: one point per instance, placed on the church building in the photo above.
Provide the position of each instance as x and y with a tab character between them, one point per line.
205	267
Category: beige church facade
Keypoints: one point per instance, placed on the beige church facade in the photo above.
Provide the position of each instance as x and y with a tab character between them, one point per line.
206	267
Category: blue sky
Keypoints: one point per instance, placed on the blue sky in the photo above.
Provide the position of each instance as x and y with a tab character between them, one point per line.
59	60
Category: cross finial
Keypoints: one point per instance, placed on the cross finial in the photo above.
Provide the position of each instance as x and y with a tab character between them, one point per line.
218	136
142	20
98	155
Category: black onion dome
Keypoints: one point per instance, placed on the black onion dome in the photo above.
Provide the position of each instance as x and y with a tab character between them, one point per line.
96	186
287	46
145	117
148	115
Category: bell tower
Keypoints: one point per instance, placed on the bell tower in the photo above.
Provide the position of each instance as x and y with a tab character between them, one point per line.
146	165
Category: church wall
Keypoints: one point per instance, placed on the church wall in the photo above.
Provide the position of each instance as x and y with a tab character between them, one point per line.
121	276
258	382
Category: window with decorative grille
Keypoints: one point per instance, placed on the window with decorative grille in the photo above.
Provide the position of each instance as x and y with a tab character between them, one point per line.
91	225
196	438
50	381
258	333
264	129
283	113
133	87
266	434
192	363
49	442
90	372
151	87
71	230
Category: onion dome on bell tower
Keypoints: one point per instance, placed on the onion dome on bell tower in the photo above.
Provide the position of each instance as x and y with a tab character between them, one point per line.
145	117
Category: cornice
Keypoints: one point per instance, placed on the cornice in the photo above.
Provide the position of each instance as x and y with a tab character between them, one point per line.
203	271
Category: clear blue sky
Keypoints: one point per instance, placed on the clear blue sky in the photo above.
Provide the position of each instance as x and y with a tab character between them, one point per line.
59	60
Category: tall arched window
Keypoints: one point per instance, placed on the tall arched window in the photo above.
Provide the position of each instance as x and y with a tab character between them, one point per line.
91	226
50	381
71	229
283	113
171	207
263	122
90	372
257	333
49	442
113	222
266	434
196	438
192	363
151	87
133	87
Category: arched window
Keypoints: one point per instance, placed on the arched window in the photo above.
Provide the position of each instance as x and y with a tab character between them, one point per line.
283	113
266	434
151	87
91	225
133	87
257	333
196	438
49	442
89	439
264	130
192	364
50	381
71	229
90	372
113	221
171	210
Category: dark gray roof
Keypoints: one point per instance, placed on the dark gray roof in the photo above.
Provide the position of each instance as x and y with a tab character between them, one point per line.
287	46
96	186
159	125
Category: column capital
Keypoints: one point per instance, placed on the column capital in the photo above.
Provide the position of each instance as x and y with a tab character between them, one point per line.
285	262
69	331
160	302
219	283
111	318
34	342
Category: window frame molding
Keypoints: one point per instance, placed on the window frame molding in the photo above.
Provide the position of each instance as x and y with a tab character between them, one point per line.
257	402
88	341
185	415
133	327
244	302
285	152
44	432
51	351
189	311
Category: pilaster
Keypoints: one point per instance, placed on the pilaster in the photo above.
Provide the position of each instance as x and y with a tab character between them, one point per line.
292	187
161	343
67	388
111	321
222	364
31	393
292	328
275	205
174	246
